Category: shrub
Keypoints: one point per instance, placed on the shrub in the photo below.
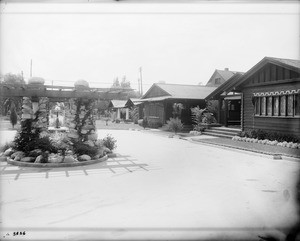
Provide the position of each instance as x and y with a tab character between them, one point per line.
174	124
109	142
118	121
143	122
270	135
84	149
154	124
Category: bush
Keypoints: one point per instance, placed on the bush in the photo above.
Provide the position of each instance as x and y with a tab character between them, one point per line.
84	149
174	124
154	124
143	122
118	121
109	142
270	135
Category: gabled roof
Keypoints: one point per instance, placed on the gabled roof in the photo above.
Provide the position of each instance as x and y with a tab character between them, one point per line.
133	102
226	74
117	104
226	86
292	64
179	91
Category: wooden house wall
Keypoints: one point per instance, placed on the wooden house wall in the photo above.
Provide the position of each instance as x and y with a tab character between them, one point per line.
286	125
271	73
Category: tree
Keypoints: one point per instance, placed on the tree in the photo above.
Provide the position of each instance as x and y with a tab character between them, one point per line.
13	79
13	115
6	103
116	83
125	83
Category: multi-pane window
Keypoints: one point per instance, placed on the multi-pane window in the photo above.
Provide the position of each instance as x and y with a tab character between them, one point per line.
284	105
297	105
269	105
276	105
263	106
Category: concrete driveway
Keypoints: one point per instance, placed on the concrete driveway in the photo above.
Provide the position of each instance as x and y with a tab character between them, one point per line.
157	188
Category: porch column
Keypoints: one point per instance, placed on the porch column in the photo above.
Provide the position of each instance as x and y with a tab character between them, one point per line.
219	109
127	113
118	114
226	112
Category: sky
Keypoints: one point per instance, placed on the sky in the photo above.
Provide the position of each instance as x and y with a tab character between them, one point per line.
175	43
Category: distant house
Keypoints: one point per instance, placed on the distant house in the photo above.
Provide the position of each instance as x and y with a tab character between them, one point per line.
269	94
160	98
219	77
119	108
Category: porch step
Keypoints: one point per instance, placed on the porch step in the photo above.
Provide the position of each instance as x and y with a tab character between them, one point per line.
221	132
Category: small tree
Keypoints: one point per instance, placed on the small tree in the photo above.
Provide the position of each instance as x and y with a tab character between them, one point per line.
175	124
13	115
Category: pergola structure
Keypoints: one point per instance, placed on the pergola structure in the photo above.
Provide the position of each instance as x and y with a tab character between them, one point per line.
79	102
60	93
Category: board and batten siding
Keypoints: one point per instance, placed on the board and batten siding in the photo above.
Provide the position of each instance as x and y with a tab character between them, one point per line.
287	125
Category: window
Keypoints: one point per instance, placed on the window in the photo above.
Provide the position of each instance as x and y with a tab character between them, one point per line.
269	105
283	105
257	106
218	81
276	106
263	106
290	107
280	106
297	105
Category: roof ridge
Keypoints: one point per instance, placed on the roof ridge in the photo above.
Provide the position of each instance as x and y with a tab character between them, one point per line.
182	84
269	57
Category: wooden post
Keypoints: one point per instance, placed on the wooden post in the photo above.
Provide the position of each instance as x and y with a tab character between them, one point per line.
226	113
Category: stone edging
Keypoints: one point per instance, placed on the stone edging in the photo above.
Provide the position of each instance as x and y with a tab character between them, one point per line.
54	165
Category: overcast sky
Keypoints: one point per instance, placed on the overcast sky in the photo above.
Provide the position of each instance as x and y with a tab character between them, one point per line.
175	43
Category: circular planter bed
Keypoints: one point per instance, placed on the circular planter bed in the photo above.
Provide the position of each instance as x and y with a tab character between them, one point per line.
51	165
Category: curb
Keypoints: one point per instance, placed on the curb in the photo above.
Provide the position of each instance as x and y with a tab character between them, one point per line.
55	165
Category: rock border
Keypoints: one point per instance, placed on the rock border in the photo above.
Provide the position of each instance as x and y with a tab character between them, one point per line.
51	165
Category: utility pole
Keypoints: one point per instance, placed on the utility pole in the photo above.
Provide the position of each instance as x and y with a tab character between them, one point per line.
31	68
141	78
139	85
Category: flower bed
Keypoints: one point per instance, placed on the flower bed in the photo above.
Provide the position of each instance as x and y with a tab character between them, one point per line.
53	165
268	142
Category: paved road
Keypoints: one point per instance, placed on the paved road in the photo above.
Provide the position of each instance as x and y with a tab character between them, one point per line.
158	187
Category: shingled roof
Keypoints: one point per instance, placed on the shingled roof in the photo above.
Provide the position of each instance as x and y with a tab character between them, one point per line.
180	91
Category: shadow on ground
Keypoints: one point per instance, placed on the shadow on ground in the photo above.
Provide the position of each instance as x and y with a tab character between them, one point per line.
120	164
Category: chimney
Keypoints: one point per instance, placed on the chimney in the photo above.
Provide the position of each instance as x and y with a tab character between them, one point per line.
226	69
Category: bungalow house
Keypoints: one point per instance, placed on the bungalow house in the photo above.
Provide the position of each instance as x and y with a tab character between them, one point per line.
160	98
269	94
119	108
